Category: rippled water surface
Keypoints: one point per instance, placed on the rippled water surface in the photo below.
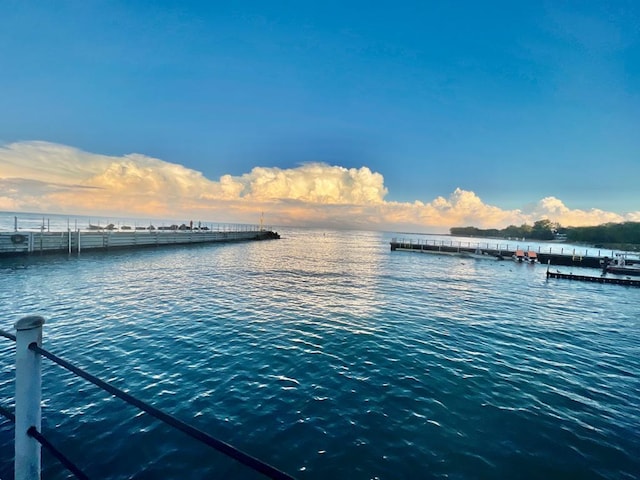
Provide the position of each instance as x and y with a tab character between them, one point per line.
329	356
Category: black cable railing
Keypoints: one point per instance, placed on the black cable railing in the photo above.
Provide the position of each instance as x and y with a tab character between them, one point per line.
33	432
72	467
7	335
229	450
219	445
8	414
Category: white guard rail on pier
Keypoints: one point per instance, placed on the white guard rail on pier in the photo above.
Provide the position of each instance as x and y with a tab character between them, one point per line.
28	410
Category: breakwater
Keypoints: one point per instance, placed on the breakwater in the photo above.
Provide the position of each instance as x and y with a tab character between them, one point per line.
25	243
569	257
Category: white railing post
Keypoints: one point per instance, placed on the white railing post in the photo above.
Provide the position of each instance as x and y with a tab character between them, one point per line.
28	396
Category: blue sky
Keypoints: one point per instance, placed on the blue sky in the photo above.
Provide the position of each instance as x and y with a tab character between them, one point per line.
513	101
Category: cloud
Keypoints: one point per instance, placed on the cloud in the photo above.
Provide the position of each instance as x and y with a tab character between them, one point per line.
47	177
316	183
553	209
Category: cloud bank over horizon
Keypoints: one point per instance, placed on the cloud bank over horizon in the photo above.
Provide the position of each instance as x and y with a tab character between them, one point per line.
46	177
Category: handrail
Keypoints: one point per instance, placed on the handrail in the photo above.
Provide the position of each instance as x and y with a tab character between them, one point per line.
219	445
7	335
193	432
5	412
33	432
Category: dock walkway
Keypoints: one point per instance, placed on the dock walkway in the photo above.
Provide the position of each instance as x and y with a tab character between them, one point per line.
601	279
571	258
27	243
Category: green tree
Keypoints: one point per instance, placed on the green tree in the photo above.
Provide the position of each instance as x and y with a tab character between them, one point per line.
542	230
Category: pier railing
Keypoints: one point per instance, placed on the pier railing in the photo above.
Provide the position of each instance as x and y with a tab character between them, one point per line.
460	245
27	418
33	223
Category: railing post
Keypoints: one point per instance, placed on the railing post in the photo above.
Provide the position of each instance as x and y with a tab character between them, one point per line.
28	396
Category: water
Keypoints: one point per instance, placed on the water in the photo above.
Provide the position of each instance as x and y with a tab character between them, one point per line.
329	356
28	222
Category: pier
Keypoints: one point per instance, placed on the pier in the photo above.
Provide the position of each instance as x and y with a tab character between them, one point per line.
601	279
569	257
41	242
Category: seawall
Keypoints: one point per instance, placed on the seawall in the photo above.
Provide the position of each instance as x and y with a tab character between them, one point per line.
28	243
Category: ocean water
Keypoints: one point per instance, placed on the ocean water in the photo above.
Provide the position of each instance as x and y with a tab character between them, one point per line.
329	356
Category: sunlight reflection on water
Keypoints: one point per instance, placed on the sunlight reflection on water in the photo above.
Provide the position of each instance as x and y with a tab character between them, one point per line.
324	353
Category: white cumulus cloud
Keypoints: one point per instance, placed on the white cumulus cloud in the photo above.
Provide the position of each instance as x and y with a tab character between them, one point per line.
553	209
47	177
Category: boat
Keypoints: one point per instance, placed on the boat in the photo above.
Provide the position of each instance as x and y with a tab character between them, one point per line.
622	264
518	256
521	256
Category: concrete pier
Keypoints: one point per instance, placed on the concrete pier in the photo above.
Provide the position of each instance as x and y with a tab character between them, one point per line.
28	398
26	243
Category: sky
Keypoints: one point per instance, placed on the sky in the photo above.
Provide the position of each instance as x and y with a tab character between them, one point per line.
406	116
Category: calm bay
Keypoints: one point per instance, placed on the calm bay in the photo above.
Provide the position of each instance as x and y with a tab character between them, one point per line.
327	355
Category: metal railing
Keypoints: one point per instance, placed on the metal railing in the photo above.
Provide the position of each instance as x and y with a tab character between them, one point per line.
28	410
36	223
557	249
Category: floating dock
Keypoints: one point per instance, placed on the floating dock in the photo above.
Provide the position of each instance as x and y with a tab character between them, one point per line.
568	259
29	243
602	279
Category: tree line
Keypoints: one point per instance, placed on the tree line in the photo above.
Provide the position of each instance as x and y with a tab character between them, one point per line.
627	233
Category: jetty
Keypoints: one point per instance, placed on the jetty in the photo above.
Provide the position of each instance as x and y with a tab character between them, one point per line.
628	281
601	279
569	257
72	241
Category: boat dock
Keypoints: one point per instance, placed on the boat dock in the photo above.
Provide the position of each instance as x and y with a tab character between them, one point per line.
568	258
41	242
601	279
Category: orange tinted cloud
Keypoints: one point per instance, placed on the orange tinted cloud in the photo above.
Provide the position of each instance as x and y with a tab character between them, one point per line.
47	177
